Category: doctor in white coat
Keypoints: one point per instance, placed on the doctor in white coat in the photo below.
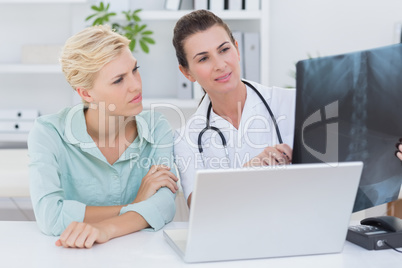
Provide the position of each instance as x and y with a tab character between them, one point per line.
238	123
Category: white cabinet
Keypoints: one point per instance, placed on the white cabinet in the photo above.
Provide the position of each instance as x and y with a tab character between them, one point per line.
43	87
29	69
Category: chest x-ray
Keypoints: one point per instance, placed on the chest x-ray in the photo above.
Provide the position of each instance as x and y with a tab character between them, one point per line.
349	108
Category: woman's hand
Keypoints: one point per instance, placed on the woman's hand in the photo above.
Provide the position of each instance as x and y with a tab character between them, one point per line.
82	235
399	147
280	154
157	177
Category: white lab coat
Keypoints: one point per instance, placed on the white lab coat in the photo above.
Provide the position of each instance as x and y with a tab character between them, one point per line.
256	131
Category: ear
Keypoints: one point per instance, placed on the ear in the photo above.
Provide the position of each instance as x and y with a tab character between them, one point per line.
237	48
84	94
186	73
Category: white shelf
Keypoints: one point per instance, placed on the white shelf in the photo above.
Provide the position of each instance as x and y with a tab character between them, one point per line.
40	1
175	15
13	137
30	68
246	20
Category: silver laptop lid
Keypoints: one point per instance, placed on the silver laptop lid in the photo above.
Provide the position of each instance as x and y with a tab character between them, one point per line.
272	211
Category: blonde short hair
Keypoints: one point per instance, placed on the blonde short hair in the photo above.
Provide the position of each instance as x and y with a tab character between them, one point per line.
86	52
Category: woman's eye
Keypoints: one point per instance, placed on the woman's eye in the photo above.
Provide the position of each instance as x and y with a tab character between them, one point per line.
203	59
118	80
225	49
135	69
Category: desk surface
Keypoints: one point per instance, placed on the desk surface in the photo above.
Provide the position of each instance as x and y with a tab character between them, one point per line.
23	245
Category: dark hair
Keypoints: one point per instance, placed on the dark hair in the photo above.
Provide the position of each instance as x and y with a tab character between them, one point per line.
194	22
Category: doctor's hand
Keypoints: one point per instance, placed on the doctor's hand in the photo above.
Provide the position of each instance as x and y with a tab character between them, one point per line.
398	153
82	235
280	154
157	177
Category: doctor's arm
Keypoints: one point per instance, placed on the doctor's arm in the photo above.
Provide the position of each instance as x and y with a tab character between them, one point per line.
280	154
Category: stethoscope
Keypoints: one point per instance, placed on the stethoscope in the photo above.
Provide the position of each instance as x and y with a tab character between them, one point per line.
209	127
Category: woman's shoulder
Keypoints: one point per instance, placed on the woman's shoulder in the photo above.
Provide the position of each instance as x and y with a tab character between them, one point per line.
150	116
55	121
49	128
152	120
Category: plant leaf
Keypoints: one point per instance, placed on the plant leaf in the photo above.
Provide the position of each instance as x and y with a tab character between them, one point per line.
116	27
90	17
130	28
129	35
144	47
148	40
142	27
135	28
98	21
136	18
132	45
95	8
107	16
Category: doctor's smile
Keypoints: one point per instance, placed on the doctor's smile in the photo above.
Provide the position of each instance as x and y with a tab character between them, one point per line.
224	78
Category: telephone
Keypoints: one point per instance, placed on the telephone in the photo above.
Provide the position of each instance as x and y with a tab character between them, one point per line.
377	233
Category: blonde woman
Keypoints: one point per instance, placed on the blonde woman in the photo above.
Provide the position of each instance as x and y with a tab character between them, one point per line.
102	169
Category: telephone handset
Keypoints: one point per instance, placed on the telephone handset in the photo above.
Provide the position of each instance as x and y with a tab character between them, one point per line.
377	233
388	223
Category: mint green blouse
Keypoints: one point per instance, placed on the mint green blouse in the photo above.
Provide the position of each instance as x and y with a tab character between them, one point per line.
68	172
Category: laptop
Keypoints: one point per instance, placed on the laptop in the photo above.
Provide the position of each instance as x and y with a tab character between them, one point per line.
265	212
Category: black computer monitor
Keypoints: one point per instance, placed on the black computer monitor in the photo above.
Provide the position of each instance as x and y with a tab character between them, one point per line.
349	108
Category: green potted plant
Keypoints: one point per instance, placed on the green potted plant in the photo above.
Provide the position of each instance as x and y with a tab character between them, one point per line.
131	27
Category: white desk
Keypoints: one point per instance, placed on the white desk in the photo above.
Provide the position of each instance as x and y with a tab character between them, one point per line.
23	245
14	179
